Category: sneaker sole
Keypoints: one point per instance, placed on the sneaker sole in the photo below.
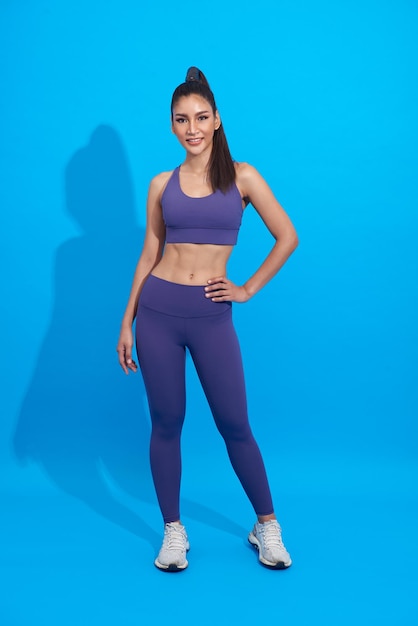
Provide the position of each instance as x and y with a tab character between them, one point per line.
253	541
172	568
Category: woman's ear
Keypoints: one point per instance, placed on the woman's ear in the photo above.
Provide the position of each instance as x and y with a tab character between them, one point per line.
217	120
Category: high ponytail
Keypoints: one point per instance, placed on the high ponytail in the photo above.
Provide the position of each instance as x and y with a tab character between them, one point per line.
221	166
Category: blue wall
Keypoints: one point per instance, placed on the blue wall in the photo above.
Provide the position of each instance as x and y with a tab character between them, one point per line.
322	98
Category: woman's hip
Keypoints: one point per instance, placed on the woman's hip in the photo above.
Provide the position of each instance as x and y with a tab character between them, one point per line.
178	300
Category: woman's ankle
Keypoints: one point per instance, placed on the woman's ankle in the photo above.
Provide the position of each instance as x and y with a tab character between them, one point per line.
266	518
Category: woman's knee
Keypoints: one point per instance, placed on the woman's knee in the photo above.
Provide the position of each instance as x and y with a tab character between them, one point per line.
236	430
168	425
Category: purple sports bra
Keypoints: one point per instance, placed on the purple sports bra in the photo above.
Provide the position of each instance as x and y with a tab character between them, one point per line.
212	219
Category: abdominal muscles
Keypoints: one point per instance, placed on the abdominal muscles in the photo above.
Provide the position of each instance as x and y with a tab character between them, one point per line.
191	263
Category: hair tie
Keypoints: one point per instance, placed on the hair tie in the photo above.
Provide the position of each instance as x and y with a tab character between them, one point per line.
193	75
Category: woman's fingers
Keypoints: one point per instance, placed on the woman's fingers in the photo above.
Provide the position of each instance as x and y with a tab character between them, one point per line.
125	358
124	350
121	358
218	288
221	289
221	293
131	364
215	284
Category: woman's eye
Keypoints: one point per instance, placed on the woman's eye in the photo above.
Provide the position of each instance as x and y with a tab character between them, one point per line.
203	117
181	120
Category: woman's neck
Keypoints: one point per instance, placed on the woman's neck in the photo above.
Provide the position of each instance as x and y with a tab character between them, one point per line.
197	164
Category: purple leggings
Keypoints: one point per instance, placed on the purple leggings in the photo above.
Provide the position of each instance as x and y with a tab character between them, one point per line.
171	318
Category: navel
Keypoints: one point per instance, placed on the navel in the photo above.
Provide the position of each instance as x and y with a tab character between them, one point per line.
191	276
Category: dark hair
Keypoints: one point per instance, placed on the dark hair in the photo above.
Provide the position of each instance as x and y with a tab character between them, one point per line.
221	166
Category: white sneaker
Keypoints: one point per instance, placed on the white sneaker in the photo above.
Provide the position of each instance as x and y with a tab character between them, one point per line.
267	539
172	556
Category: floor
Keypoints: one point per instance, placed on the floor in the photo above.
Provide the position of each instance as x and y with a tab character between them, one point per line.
85	555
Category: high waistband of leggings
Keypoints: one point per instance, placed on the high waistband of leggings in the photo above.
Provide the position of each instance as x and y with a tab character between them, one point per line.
178	300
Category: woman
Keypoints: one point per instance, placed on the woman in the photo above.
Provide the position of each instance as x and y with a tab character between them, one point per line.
181	298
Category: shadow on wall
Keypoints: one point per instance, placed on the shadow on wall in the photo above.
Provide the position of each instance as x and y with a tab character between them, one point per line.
81	415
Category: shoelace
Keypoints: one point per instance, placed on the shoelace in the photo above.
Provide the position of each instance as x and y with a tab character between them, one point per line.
174	538
272	534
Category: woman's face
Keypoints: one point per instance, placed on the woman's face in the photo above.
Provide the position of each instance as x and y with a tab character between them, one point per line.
194	124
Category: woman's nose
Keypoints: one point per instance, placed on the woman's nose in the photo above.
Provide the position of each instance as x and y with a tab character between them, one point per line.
192	127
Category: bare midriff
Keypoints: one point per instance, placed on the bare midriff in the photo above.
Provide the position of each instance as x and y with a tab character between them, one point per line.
191	263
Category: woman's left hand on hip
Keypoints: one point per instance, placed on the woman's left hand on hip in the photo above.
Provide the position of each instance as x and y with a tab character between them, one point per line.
221	289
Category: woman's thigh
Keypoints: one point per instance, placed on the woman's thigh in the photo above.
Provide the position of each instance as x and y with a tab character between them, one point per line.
161	356
216	353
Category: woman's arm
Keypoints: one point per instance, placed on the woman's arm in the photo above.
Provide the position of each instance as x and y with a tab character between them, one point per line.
253	186
150	256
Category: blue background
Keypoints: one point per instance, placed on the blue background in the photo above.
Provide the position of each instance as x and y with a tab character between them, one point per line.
321	97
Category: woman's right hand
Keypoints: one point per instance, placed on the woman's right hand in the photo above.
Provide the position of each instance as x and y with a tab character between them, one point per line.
124	350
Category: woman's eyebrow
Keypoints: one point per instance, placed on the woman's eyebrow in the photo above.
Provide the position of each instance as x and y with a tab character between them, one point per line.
185	114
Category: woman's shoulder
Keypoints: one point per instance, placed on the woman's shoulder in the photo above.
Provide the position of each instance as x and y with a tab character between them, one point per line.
159	182
245	171
246	177
161	179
